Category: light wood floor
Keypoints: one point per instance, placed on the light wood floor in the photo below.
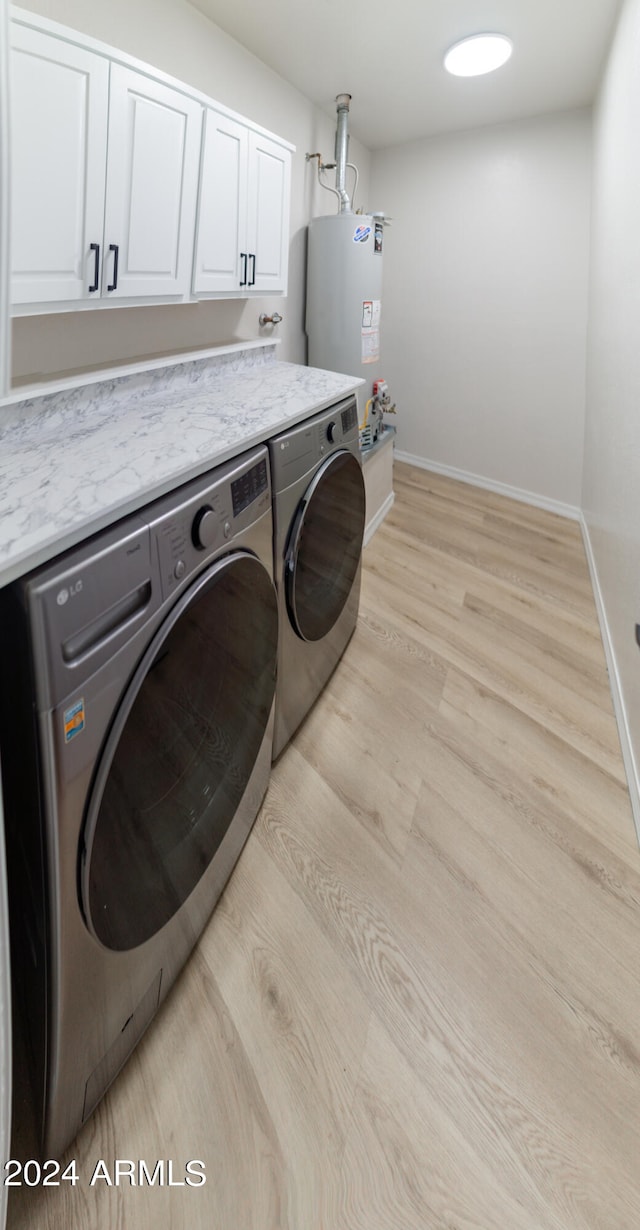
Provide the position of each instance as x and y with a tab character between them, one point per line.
417	1006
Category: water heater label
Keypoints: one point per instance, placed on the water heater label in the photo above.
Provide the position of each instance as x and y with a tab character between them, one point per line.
370	345
370	331
361	234
371	313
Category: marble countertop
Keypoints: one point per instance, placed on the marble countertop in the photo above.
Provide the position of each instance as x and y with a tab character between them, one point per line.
75	459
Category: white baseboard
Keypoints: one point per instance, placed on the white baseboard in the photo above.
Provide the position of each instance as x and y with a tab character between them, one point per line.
378	519
628	756
488	484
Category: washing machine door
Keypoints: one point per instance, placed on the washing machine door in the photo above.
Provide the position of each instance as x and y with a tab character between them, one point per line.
180	752
325	546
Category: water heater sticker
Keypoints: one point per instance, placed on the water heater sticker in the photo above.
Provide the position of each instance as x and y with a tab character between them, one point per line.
375	313
370	345
73	720
367	313
377	238
361	234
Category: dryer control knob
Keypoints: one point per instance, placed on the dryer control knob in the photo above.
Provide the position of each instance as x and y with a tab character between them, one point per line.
203	529
332	432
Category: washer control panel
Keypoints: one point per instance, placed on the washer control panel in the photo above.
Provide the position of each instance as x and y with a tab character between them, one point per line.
298	450
246	489
212	511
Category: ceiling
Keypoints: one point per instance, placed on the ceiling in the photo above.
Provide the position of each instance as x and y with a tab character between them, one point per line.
388	55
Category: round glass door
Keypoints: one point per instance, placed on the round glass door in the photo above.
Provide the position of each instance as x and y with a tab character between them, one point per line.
180	753
325	546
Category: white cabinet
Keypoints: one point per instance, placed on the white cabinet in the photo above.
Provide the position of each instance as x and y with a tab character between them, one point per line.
109	173
268	214
59	137
104	177
220	263
152	173
242	234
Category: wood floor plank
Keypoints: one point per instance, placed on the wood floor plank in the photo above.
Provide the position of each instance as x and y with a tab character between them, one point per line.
488	658
305	1044
521	998
574	631
569	667
407	1164
538	569
429	488
548	768
434	573
327	737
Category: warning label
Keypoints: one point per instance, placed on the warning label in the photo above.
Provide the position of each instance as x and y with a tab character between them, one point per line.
73	720
370	330
370	345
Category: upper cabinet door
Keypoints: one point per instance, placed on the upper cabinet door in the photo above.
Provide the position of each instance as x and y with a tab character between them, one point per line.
268	221
220	259
59	108
152	175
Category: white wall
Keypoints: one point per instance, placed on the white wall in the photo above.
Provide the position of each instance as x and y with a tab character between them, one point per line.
611	491
485	299
175	37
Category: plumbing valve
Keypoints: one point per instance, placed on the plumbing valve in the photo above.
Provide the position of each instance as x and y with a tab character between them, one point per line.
378	404
381	396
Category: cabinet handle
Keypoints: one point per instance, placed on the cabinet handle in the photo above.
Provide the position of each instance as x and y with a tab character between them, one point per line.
243	257
95	248
252	281
113	247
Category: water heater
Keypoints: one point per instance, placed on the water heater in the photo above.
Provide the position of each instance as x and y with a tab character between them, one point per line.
344	289
344	296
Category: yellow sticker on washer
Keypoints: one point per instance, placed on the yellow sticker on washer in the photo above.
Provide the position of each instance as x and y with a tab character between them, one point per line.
74	719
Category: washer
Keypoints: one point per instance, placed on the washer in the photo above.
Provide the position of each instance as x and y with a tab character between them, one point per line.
136	743
318	525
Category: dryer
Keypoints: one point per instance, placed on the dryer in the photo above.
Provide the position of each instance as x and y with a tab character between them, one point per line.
318	525
136	725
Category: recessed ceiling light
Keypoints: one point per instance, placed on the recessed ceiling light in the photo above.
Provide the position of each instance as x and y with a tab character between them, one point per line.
480	53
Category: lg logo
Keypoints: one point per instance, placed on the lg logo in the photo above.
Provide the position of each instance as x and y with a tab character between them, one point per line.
64	595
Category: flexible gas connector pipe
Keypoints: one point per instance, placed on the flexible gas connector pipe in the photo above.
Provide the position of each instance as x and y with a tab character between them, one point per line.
366	414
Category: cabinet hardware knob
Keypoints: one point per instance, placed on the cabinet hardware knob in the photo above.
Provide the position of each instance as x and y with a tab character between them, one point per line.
263	319
252	280
243	257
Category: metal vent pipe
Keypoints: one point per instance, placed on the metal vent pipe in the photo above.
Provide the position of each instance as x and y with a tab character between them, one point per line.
342	151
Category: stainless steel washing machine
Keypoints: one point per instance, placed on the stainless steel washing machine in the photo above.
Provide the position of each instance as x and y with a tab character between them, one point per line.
138	683
318	525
